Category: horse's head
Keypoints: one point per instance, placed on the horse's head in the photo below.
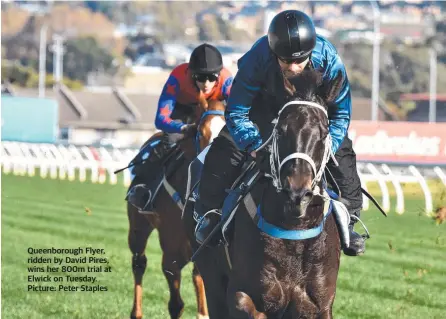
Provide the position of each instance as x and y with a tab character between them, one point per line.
301	144
210	123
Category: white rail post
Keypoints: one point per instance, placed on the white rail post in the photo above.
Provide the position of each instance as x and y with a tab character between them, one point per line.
19	161
60	162
82	173
6	163
42	162
127	179
51	159
92	163
382	186
424	187
68	160
106	161
71	172
440	174
399	191
78	163
43	170
113	178
5	159
365	199
15	157
28	159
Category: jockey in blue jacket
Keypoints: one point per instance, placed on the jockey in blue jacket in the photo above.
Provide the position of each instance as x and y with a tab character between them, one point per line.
290	46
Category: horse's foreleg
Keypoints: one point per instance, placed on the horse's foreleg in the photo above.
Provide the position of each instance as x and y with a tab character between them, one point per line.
215	284
139	231
175	247
200	294
326	314
172	271
245	304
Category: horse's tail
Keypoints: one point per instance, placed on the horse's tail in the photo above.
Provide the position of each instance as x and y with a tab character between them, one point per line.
244	303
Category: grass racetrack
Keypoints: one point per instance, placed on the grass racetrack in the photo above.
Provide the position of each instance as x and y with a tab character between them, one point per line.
401	275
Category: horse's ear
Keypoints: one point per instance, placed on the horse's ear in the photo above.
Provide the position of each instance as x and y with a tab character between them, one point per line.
319	78
306	83
334	87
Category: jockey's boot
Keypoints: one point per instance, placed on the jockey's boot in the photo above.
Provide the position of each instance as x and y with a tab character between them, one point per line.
207	220
139	195
357	242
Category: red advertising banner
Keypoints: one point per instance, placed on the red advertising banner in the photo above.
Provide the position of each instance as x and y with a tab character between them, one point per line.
399	142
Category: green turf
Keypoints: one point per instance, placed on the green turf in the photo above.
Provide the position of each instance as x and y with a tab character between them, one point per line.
402	274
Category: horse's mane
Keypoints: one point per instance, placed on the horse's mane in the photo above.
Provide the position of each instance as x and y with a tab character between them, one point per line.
202	102
304	86
202	106
311	86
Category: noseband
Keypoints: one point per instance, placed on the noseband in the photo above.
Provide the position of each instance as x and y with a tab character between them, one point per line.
277	164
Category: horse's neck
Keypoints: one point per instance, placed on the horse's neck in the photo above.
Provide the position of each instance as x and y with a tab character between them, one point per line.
201	108
198	114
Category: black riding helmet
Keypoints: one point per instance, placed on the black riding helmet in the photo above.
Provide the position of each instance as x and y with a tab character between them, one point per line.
292	35
205	59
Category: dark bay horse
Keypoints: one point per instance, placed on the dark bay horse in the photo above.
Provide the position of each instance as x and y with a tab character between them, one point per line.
284	252
166	218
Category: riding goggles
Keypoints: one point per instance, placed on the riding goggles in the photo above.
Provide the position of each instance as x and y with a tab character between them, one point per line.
292	60
203	77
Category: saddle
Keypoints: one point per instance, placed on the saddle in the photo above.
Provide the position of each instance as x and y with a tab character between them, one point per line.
154	172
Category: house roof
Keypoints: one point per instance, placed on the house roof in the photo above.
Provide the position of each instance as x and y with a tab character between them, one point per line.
104	110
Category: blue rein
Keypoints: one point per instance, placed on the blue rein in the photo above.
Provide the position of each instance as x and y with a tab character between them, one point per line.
210	112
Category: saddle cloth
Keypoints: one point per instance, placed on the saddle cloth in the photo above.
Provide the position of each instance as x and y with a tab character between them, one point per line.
167	166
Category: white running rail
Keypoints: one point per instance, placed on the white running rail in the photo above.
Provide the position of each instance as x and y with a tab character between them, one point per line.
399	175
66	162
77	162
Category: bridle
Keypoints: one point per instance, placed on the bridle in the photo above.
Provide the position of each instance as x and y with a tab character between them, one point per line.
277	164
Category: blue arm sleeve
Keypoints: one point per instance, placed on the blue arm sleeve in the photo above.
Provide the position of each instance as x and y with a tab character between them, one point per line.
340	113
244	88
166	105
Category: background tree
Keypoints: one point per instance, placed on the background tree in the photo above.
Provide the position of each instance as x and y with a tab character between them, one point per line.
82	56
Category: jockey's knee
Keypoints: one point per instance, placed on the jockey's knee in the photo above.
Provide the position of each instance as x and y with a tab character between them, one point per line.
345	176
222	165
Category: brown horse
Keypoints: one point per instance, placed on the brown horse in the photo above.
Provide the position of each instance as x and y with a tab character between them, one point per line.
284	255
166	218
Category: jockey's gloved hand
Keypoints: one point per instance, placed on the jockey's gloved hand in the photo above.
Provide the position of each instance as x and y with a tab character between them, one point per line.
189	129
262	160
